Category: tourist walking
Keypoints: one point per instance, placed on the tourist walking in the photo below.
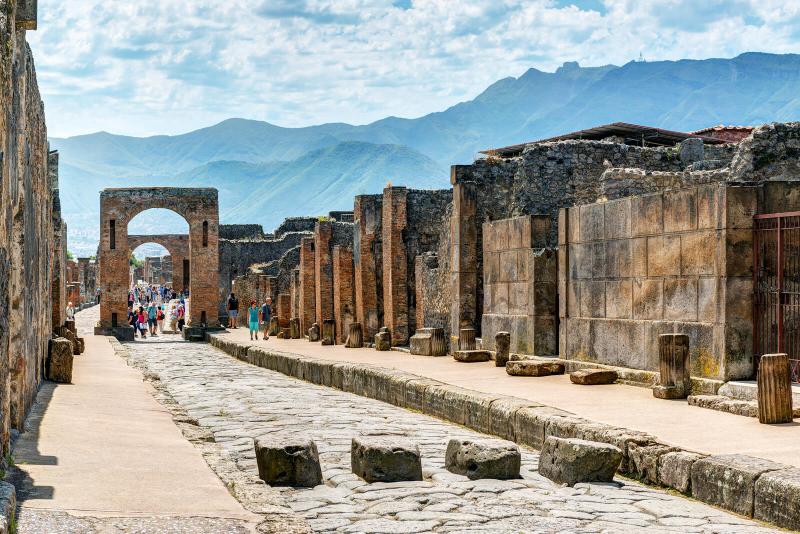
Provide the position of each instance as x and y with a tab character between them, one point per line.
253	319
142	320
266	315
160	318
152	316
181	316
233	310
70	312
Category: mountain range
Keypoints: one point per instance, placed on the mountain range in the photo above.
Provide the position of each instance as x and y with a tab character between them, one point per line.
266	172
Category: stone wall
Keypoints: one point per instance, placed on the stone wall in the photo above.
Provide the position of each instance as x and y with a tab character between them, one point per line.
296	224
241	231
28	244
678	261
368	262
519	284
327	235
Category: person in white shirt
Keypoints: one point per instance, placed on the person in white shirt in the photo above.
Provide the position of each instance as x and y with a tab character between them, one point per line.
70	312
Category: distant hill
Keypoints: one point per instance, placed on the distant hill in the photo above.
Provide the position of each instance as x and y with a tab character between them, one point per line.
263	169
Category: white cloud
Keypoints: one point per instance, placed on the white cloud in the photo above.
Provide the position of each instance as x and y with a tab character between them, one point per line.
168	66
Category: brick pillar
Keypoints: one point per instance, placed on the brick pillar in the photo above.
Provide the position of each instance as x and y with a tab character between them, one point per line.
59	279
464	254
368	263
294	292
419	290
343	295
323	261
308	284
283	310
395	264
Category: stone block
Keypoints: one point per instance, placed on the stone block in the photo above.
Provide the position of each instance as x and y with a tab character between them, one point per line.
592	222
70	324
534	368
414	393
283	462
598	251
593	299
622	438
777	498
572	461
385	459
663	255
530	424
680	299
476	410
314	333
619	299
728	480
643	460
355	336
697	253
483	458
383	341
466	339
592	377
502	344
618	219
59	360
648	299
328	332
447	402
675	470
647	215
429	342
503	414
471	356
680	210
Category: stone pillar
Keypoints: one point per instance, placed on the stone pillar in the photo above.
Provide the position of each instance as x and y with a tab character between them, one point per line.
274	326
294	291
674	366
466	339
313	332
308	277
368	262
294	328
395	264
502	343
774	389
283	310
464	254
438	342
343	296
383	339
355	336
323	269
177	272
328	332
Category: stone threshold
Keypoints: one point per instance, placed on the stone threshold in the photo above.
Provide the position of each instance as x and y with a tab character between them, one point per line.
746	485
722	403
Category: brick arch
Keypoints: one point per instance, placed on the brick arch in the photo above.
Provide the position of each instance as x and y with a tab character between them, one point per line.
199	207
176	244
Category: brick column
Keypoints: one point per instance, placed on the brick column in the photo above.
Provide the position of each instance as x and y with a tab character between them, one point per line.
294	292
368	263
307	298
464	257
323	261
343	294
282	309
395	264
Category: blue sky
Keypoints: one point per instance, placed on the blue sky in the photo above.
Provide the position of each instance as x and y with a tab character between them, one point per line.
170	66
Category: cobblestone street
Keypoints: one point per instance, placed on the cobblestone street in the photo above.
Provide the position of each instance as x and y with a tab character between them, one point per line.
239	402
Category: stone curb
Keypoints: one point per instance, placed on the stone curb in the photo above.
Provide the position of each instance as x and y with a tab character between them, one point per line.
8	507
529	423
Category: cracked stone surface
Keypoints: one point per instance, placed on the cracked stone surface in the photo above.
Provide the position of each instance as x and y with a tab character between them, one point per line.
237	402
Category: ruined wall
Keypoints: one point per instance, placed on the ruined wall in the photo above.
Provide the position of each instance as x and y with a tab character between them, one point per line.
296	224
368	262
344	312
241	231
58	252
237	255
679	261
327	235
308	280
26	225
519	284
249	287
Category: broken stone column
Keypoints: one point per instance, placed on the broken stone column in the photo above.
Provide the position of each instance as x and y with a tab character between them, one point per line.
328	332
466	339
385	459
69	323
570	461
534	368
355	336
288	464
294	328
383	339
59	360
429	342
483	458
674	366
502	344
313	332
774	389
274	326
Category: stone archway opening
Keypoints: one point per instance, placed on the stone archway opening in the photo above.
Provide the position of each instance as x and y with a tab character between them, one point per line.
199	207
177	246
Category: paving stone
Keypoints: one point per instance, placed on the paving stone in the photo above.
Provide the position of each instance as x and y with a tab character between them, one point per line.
385	459
675	470
569	461
487	458
534	368
472	356
593	377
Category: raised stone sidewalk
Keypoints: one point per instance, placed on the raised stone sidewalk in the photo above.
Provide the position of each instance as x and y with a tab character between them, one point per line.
529	423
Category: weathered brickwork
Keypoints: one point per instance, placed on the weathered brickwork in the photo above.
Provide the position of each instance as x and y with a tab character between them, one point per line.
308	282
343	291
327	235
519	285
395	264
178	247
200	208
368	262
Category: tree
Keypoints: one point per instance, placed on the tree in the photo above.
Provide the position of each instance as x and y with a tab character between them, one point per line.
134	262
70	255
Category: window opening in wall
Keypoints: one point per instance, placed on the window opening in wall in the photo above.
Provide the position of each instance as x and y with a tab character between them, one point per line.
205	233
113	320
112	232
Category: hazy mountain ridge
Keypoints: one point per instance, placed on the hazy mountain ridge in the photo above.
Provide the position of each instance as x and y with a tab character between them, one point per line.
262	169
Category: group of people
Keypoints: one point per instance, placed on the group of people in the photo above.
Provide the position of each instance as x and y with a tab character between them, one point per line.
256	316
148	308
144	295
146	319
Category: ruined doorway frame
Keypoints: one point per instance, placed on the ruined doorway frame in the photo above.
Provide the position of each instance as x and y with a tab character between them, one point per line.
199	207
178	247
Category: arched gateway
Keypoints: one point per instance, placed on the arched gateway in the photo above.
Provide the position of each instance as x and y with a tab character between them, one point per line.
178	247
200	208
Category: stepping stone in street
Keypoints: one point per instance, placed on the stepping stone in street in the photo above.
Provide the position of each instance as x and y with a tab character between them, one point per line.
286	462
534	368
469	356
570	461
385	459
483	458
593	377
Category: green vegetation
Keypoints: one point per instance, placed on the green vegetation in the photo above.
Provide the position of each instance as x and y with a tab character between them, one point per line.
70	255
135	262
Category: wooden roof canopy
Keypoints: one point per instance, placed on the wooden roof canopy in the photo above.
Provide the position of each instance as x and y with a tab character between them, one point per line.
632	134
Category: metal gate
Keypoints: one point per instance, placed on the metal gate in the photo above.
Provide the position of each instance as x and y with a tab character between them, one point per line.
776	272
